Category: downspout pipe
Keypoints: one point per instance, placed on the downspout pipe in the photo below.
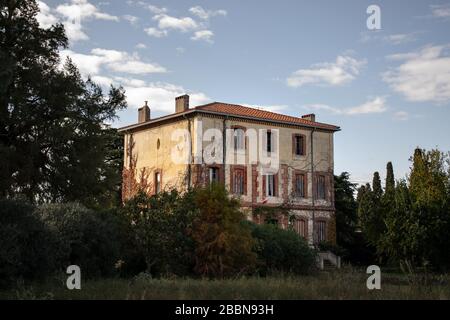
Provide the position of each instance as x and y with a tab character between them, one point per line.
190	151
313	193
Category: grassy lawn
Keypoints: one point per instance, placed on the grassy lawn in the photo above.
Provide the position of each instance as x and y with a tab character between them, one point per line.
335	285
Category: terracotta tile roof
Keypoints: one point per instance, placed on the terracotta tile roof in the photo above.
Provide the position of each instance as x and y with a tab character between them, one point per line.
238	110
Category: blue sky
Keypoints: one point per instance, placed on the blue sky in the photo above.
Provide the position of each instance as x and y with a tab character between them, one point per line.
388	89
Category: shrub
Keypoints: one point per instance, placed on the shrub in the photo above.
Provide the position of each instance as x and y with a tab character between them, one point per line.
223	245
26	243
87	238
159	225
282	250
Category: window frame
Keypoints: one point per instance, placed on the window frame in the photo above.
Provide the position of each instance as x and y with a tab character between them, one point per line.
321	230
301	137
242	170
321	193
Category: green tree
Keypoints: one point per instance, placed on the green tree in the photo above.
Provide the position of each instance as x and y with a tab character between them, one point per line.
160	225
390	180
281	250
223	244
376	186
53	141
346	210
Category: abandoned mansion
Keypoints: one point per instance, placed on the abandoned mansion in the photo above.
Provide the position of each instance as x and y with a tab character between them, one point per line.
267	159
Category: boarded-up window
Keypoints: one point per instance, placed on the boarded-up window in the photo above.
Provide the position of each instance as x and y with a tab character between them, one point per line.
300	185
321	231
321	187
238	181
300	227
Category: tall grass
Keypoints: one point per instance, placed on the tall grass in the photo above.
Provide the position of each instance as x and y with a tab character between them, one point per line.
346	284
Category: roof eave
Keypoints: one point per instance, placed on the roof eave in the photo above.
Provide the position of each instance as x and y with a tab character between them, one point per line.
191	111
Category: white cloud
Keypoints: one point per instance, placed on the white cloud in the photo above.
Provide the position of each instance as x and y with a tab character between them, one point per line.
206	14
181	24
440	11
45	17
374	105
180	50
71	15
131	19
423	76
156	32
342	71
141	46
112	60
136	67
82	9
205	35
401	115
156	10
161	96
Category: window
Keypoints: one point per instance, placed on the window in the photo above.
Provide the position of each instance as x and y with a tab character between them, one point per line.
239	139
321	231
270	185
269	141
299	145
321	187
300	185
239	181
213	175
300	227
157	182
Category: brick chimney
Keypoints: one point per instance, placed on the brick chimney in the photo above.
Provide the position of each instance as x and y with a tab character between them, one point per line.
181	103
144	113
310	117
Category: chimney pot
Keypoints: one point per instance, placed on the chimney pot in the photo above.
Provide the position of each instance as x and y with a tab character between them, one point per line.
181	103
144	113
310	117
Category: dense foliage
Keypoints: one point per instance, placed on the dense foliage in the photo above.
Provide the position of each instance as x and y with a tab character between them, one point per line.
282	250
54	143
410	222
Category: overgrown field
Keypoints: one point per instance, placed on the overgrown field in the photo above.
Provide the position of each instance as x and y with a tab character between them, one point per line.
335	285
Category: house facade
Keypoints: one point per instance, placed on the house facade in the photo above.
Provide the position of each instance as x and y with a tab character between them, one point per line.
269	160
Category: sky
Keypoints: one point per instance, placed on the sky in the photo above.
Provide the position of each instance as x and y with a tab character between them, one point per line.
388	89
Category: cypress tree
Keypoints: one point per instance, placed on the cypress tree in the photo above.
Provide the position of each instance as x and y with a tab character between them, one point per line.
390	181
376	185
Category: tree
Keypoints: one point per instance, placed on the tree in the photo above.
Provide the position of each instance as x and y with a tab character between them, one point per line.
376	186
223	244
390	180
53	138
346	210
160	225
